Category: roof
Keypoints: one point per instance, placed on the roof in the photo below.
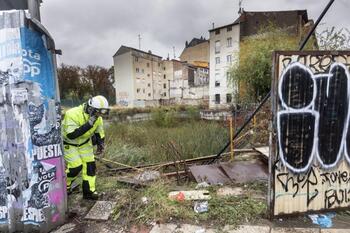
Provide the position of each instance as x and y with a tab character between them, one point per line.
125	49
237	21
196	41
251	13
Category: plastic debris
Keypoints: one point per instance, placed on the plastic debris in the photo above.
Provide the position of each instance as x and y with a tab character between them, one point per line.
200	206
323	220
144	200
190	195
202	185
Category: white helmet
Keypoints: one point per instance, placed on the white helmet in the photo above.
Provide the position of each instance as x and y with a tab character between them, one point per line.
98	102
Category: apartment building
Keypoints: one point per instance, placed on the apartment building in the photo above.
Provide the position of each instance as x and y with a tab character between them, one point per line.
224	48
196	51
225	41
140	78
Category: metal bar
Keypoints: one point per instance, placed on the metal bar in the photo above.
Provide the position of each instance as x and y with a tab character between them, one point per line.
269	94
34	9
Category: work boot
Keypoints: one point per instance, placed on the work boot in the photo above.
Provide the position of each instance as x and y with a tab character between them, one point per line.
91	196
74	188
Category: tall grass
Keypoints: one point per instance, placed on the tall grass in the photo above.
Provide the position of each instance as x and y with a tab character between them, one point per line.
146	142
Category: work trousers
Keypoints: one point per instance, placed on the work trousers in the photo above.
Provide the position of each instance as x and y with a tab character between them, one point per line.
81	158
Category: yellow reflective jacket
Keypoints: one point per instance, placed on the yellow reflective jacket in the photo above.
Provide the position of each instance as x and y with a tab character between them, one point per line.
75	118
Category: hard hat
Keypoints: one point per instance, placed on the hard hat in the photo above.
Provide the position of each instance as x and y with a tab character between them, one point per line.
98	102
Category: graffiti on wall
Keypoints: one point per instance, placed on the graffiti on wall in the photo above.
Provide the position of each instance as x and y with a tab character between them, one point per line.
311	160
31	170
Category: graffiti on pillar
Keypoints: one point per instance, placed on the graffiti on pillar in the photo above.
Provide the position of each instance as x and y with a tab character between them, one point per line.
312	113
32	188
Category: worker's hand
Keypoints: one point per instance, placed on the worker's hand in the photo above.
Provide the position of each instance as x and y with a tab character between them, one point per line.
100	149
92	120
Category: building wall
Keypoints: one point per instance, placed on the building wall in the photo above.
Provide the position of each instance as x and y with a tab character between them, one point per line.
198	52
218	72
124	79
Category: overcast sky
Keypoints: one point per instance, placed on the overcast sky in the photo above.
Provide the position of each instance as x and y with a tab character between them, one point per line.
89	32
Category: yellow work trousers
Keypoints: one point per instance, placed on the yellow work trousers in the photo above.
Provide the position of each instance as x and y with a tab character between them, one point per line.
81	158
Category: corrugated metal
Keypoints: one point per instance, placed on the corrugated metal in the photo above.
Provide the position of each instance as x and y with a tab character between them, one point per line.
309	161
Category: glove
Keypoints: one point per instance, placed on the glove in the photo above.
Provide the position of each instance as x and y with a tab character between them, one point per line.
92	120
100	149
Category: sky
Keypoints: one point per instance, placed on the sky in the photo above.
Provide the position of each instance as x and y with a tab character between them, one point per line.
89	32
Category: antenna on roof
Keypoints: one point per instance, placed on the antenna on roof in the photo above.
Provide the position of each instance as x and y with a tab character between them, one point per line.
139	36
240	8
174	52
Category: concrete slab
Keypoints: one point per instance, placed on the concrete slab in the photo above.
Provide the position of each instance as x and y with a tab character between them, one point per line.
247	229
187	228
295	230
335	230
228	191
163	228
66	228
101	211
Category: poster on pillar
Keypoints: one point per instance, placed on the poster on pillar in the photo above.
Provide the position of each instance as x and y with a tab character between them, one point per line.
310	146
32	186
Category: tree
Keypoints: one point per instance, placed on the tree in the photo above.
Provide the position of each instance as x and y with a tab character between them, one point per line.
334	39
68	80
100	81
252	73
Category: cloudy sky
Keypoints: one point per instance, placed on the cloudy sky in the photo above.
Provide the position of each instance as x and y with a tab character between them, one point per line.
90	31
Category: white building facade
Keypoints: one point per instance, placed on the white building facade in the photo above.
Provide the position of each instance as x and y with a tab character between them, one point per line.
140	78
224	52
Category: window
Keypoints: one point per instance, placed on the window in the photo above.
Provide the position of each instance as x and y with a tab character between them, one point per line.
148	75
149	94
229	28
143	71
229	42
164	76
217	46
137	70
228	98
143	90
158	64
164	85
217	31
217	83
149	85
229	58
138	90
217	98
217	60
164	94
136	59
164	68
147	64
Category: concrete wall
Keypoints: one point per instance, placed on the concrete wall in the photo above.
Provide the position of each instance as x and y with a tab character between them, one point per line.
124	78
218	72
198	52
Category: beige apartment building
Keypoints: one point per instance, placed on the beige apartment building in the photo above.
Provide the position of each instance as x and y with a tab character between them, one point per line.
196	51
143	79
140	78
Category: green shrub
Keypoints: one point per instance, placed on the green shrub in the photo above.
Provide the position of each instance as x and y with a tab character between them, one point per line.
163	117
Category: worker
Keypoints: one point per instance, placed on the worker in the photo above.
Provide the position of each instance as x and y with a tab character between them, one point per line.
82	128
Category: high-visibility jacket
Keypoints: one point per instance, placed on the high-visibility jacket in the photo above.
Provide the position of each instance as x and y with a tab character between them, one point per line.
75	118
